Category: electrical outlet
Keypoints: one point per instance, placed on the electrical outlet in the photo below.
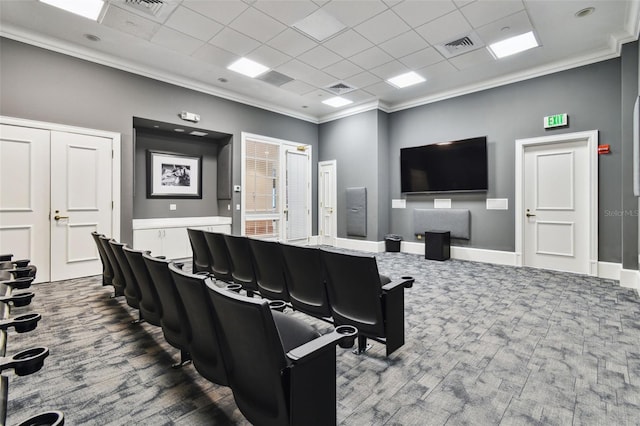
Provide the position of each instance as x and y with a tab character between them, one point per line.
237	206
172	207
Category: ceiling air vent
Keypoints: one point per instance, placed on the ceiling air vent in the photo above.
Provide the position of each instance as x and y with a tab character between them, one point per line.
275	78
340	88
157	10
460	45
152	7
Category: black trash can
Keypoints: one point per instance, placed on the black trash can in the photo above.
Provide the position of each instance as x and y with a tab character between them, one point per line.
392	242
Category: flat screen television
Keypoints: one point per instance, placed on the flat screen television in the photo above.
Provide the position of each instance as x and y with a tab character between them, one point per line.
458	166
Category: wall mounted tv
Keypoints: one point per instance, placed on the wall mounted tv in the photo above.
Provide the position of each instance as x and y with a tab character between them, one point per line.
458	166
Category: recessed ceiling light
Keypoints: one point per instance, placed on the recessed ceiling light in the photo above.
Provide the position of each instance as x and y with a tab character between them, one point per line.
179	130
407	79
513	45
88	8
585	12
92	37
337	102
198	133
247	67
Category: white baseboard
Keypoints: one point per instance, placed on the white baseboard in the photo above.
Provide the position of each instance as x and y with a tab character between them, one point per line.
467	253
628	278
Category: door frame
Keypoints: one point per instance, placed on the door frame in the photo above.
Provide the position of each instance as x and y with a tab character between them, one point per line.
115	158
334	196
284	146
591	136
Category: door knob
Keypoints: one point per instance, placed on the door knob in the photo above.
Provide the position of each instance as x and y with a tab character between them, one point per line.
58	217
529	214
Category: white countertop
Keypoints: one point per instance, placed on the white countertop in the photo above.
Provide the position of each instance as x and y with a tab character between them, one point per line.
179	222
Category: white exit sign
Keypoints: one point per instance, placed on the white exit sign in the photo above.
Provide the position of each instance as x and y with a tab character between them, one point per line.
557	120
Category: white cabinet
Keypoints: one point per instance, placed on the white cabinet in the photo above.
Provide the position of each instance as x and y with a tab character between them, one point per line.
169	238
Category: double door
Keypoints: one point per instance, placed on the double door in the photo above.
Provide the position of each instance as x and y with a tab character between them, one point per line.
55	189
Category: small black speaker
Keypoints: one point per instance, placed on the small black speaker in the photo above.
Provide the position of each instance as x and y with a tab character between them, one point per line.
437	245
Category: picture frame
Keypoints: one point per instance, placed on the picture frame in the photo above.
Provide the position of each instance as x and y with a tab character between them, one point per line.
173	175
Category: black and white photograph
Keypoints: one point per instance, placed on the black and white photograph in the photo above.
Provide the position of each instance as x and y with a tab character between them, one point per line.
172	175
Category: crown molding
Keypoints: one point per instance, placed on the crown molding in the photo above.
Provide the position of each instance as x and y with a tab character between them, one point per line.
364	107
80	52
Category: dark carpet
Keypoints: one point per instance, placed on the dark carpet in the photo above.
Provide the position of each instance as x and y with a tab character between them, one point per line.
485	345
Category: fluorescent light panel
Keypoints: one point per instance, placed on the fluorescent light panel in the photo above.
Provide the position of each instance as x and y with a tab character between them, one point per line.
514	45
247	67
87	8
407	79
337	102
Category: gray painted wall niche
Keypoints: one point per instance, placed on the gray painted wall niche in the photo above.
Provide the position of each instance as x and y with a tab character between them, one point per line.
171	141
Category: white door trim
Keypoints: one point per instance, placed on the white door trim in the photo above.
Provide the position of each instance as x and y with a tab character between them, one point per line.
115	161
334	196
592	141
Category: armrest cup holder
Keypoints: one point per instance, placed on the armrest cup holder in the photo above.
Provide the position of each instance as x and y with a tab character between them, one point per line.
21	263
20	272
22	323
234	287
18	299
49	418
277	305
25	362
19	283
408	281
348	333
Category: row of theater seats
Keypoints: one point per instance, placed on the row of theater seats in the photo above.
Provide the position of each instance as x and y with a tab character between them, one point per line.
18	275
337	287
280	369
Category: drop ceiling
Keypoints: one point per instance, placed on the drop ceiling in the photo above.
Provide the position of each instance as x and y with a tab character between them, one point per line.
191	43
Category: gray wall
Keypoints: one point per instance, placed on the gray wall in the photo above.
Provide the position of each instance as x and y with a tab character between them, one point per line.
591	97
143	207
353	143
43	85
629	203
384	194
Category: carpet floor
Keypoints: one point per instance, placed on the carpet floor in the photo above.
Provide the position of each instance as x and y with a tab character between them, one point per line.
485	345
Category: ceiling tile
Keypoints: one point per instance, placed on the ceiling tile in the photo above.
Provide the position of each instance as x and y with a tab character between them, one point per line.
301	71
382	27
359	96
343	69
298	87
351	13
319	57
445	28
192	23
441	69
292	42
371	58
363	79
258	25
319	95
129	23
472	59
404	44
512	25
176	41
422	58
268	56
390	69
223	11
482	12
214	55
461	3
416	13
380	89
235	42
348	43
286	11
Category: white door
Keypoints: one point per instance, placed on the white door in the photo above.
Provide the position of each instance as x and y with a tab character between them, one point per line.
327	195
24	195
80	202
557	205
297	191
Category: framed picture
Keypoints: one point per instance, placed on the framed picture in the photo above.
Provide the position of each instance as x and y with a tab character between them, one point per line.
171	175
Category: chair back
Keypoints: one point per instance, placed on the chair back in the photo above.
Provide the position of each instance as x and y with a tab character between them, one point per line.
355	292
241	263
150	306
131	289
201	257
117	281
220	262
204	347
253	355
269	269
175	325
107	272
305	280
